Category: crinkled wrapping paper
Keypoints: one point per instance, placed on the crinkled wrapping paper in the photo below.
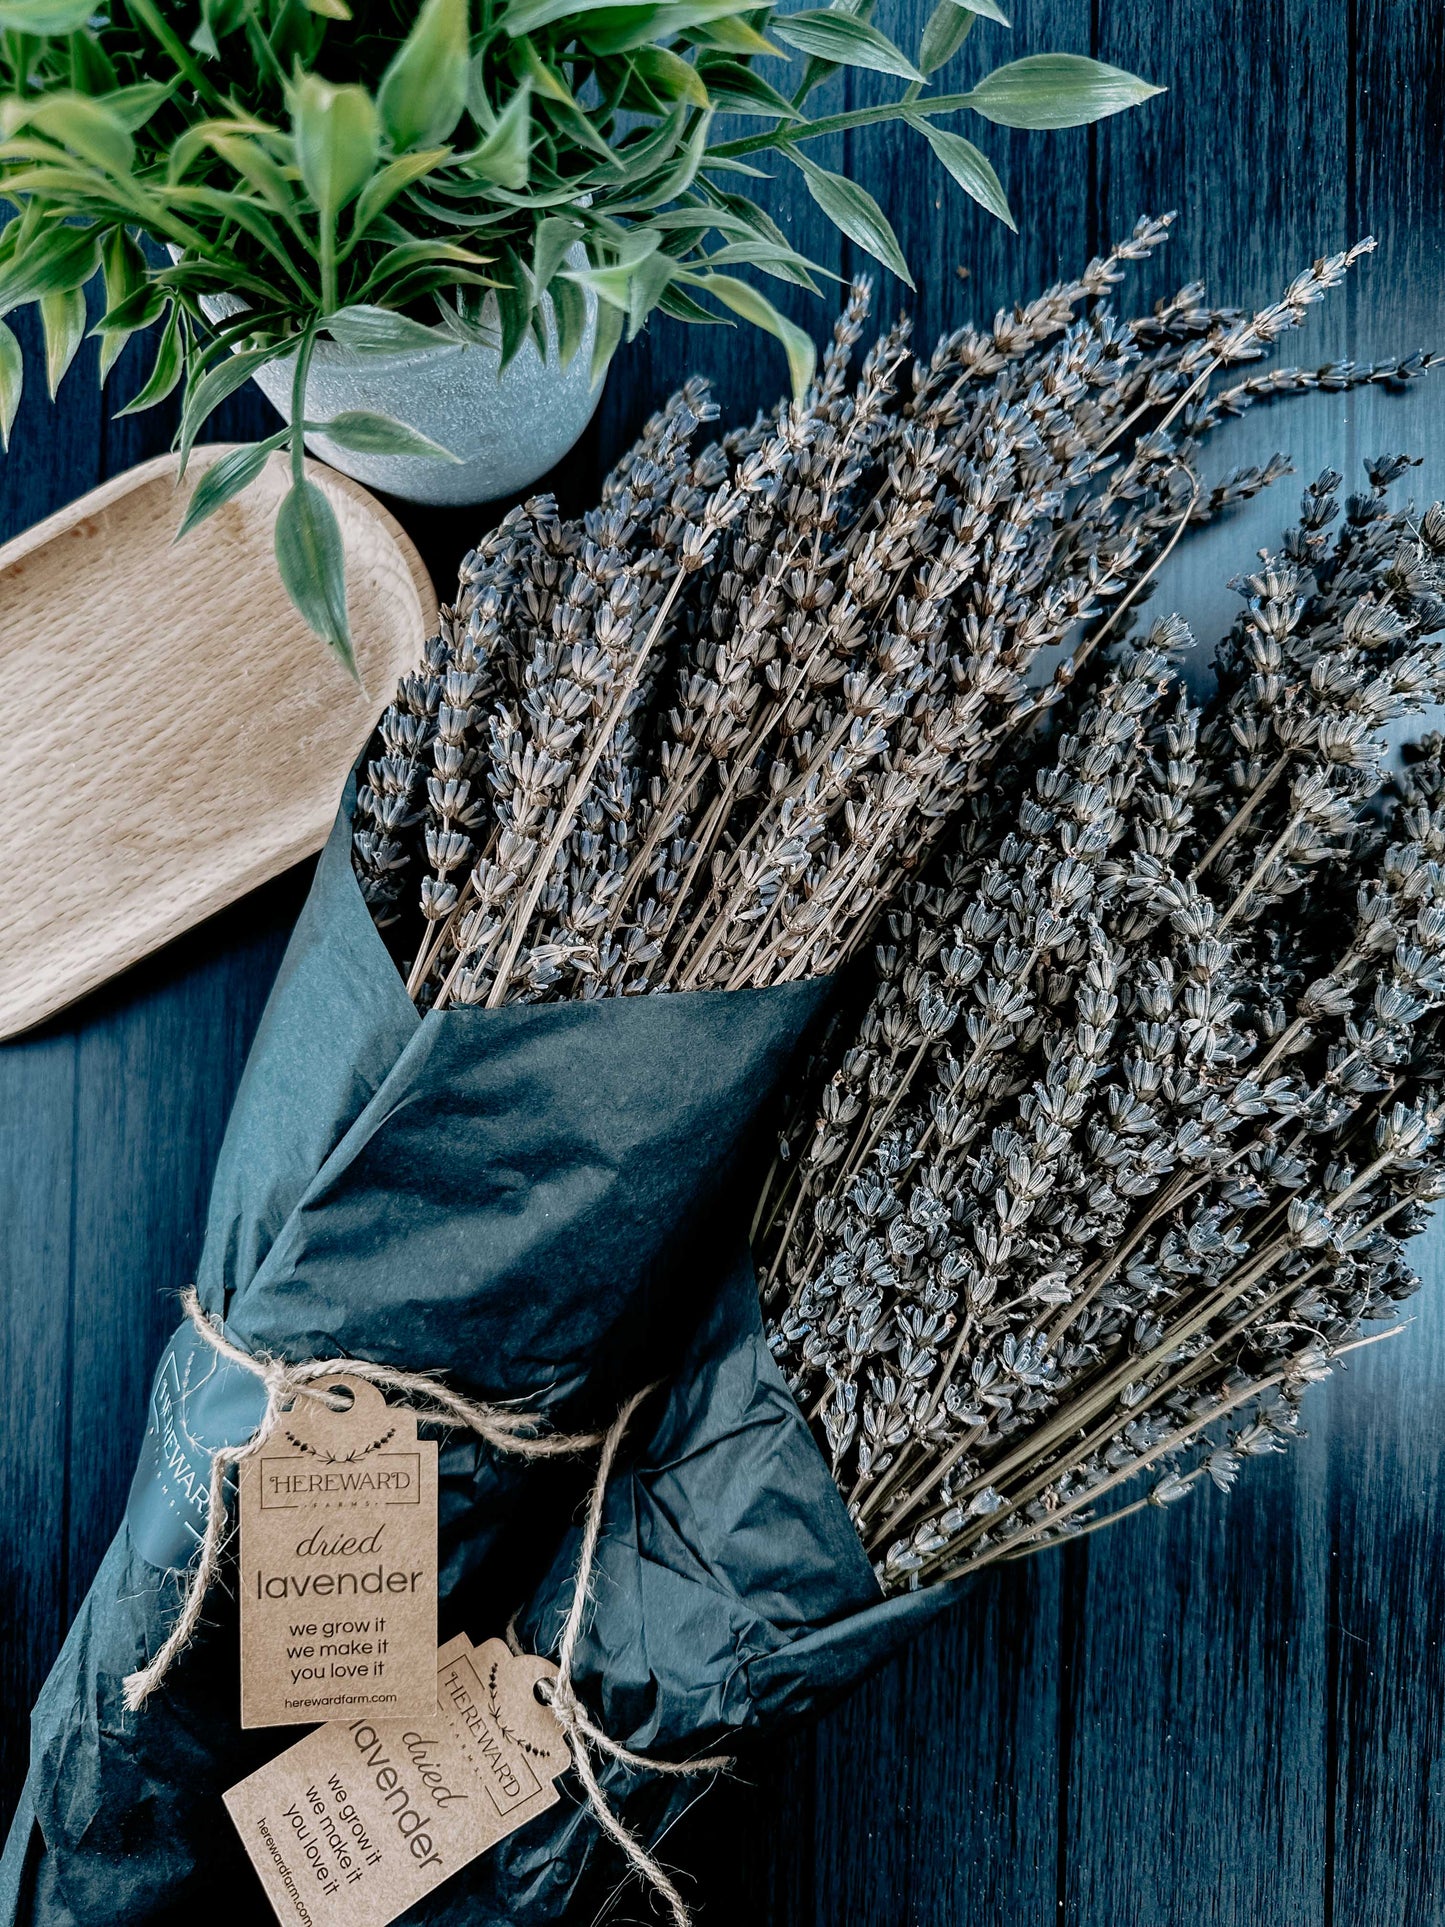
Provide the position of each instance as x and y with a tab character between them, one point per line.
546	1203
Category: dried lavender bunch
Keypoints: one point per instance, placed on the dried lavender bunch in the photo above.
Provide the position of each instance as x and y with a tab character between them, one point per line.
699	737
1129	1141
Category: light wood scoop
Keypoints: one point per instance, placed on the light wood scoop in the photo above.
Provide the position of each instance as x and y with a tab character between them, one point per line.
171	732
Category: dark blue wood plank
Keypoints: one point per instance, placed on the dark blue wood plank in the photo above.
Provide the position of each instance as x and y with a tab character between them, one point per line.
54	456
37	1123
1386	1650
158	1058
1387	1415
1197	1774
54	448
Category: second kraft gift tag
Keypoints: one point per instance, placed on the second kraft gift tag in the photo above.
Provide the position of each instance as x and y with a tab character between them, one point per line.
357	1822
338	1566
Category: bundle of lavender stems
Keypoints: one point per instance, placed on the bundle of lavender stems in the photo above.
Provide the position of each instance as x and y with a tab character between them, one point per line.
1147	1098
1125	1143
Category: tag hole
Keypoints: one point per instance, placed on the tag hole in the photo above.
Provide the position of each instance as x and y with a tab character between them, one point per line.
340	1398
542	1691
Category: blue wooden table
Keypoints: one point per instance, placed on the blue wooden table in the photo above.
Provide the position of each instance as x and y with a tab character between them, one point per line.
1229	1715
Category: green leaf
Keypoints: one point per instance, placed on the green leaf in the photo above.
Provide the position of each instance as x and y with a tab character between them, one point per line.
256	168
206	38
87	128
424	90
329	9
606	27
240	208
312	565
736	89
124	266
783	263
949	25
337	141
655	189
570	303
985	9
526	16
612	282
505	156
969	168
134	106
137	310
398	175
367	433
733	36
725	164
45	17
853	210
92	70
752	217
402	263
529	62
554	238
207	394
650	279
377	331
678	303
52	261
514	305
63	318
744	300
669	77
226	478
651	149
168	368
843	41
125	276
12	382
1056	90
610	323
564	110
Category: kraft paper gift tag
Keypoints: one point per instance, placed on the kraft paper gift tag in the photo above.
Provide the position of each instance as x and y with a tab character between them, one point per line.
362	1818
338	1566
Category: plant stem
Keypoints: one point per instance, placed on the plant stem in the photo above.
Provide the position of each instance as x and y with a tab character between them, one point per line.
839	124
298	404
328	265
149	16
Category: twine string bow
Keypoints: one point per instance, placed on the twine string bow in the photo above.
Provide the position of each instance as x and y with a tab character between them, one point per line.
514	1432
583	1736
506	1431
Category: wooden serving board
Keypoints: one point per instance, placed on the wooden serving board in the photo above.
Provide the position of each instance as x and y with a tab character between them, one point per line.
173	734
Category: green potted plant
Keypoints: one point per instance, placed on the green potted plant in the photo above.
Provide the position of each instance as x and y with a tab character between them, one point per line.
424	231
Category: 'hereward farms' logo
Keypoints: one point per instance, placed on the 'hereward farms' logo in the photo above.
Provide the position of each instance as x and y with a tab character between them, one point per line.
199	1401
185	1465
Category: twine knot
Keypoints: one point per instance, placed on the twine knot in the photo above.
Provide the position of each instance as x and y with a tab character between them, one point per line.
514	1432
509	1431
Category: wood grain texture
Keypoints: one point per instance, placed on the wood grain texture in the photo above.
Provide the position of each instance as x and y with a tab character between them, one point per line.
1197	1689
202	741
1230	1716
1386	1425
37	1144
147	1133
